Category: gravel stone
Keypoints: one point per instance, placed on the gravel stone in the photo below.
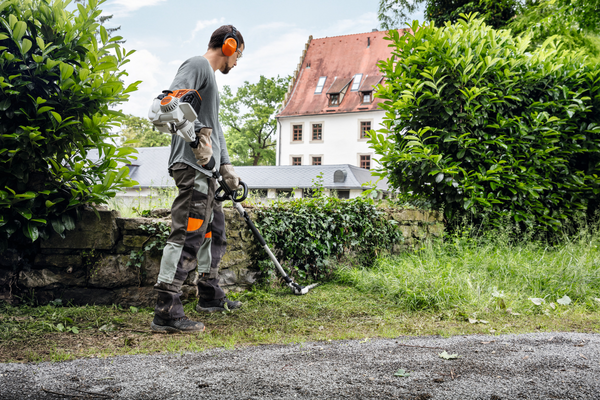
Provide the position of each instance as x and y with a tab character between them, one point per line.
530	366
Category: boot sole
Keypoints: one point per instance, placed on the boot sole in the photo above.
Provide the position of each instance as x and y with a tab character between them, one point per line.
209	309
215	309
170	329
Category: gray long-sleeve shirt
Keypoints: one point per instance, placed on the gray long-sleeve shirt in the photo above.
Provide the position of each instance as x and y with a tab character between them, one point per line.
196	73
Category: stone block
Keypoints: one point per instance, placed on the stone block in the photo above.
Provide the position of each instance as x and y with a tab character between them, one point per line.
144	296
227	277
150	270
236	259
160	213
133	226
58	261
189	293
9	258
112	271
406	230
134	240
89	233
48	278
192	278
8	280
436	229
250	277
78	296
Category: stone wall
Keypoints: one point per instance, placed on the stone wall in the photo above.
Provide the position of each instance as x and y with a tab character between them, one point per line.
92	264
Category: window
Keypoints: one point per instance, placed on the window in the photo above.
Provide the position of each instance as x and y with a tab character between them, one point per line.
297	133
317	131
343	194
356	83
285	193
334	100
366	97
316	161
365	128
365	162
320	85
296	160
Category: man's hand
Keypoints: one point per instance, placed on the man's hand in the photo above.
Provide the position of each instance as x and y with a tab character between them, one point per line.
204	150
231	178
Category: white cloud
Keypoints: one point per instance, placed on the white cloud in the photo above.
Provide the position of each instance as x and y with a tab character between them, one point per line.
132	5
273	25
263	60
364	23
206	23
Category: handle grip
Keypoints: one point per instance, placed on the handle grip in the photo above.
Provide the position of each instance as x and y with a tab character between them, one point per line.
229	194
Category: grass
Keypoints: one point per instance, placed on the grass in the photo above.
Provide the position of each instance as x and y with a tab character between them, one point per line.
486	274
330	312
456	286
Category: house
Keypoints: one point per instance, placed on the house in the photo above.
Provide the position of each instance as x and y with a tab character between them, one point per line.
343	181
330	107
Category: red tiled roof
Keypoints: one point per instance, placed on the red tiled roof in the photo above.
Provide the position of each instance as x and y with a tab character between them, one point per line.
341	57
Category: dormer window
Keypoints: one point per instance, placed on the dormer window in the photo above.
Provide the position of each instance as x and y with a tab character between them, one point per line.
366	88
356	83
367	97
334	100
337	91
320	85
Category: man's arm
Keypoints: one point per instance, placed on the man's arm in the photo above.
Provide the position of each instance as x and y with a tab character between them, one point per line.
190	75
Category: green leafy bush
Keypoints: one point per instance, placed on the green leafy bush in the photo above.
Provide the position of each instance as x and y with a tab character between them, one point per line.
491	128
307	233
57	82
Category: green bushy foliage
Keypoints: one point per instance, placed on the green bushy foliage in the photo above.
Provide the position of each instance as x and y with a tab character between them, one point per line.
496	13
306	233
57	83
477	125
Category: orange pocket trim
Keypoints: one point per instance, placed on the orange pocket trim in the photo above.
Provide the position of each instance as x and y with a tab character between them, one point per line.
194	224
208	235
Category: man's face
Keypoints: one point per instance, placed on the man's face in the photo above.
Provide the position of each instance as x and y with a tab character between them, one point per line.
232	60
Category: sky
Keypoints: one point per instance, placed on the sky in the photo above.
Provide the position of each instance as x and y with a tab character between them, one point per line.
165	33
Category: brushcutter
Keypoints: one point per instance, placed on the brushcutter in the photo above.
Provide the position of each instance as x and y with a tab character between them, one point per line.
174	113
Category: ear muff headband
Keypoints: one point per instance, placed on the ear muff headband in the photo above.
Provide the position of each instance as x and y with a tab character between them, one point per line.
230	43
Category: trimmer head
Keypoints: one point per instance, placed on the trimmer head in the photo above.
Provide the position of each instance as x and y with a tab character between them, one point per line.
300	290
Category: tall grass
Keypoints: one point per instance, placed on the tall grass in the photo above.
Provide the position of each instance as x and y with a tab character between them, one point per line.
487	273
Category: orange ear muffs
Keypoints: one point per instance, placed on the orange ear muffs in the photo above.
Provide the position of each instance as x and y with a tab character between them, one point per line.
230	43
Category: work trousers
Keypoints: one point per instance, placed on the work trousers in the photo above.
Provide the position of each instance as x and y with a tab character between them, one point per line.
197	240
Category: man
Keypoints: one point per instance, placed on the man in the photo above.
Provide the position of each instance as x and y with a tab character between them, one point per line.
198	224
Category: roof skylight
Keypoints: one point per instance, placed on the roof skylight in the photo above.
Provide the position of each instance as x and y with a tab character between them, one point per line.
320	85
356	83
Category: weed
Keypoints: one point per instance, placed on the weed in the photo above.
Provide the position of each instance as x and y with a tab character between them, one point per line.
468	274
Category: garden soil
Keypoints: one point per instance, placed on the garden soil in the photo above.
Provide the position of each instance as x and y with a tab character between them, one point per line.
529	366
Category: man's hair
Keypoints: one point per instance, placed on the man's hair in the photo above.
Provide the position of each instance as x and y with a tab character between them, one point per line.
216	40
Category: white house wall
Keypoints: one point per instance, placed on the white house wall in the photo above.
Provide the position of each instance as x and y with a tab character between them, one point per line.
341	142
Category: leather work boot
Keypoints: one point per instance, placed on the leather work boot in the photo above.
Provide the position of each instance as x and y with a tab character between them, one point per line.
177	325
217	305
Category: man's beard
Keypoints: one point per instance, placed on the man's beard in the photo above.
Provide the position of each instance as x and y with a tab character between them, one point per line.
226	70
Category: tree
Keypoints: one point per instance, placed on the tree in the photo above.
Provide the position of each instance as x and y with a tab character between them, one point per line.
394	13
249	120
480	125
497	13
57	86
139	132
575	22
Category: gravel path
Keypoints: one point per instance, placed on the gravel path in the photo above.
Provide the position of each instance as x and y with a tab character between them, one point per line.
531	366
